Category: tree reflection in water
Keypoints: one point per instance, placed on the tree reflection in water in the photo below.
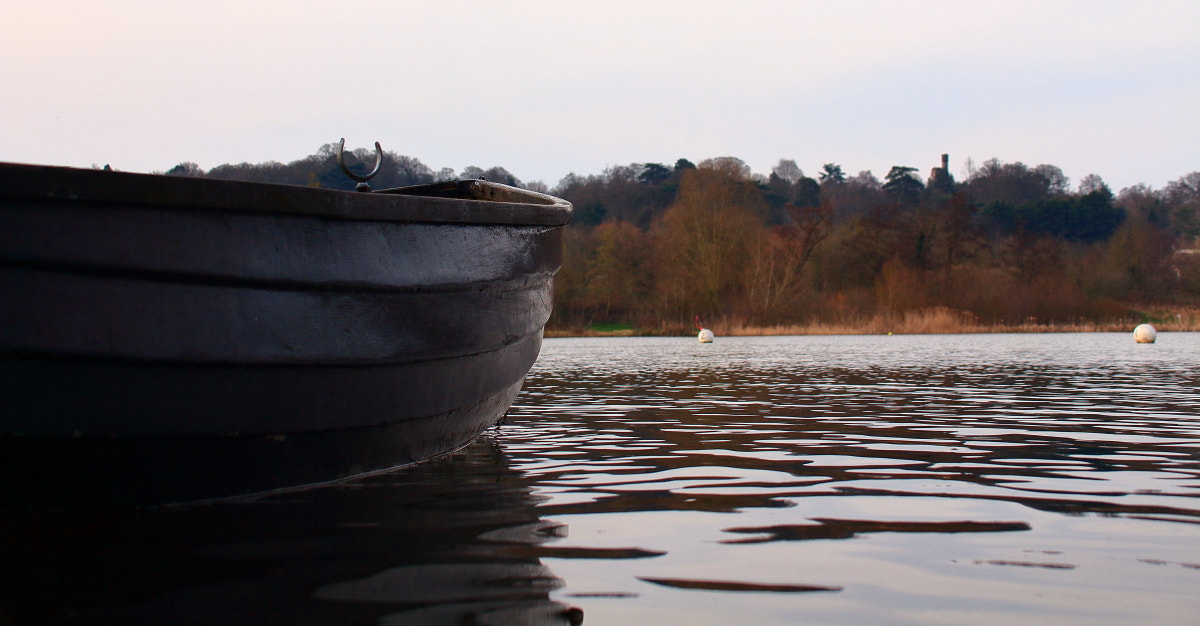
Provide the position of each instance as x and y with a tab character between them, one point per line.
904	472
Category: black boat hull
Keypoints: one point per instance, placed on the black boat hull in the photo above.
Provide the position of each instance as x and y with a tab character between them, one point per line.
91	472
140	314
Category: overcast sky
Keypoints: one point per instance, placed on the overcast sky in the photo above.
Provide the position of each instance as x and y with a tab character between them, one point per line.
548	88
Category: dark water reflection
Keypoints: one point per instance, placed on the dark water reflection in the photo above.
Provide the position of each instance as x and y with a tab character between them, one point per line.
454	541
951	479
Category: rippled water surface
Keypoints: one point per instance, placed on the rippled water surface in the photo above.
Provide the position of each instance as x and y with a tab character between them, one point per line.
904	479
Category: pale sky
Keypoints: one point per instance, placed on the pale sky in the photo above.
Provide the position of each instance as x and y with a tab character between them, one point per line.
545	88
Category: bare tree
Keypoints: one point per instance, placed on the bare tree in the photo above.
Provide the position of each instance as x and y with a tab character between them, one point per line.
1090	183
787	170
704	236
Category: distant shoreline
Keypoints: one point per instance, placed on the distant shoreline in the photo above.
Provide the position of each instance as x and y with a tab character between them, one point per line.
773	332
936	321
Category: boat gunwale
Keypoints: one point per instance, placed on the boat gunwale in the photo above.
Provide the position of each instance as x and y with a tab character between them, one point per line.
472	202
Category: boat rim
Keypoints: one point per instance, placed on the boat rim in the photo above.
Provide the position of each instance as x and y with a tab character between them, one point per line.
452	202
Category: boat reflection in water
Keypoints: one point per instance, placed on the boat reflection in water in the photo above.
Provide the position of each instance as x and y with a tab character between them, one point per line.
455	540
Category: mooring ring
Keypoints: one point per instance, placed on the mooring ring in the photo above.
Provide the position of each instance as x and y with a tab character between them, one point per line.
361	179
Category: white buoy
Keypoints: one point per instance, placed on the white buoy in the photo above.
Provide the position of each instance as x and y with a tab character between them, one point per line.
706	335
1144	333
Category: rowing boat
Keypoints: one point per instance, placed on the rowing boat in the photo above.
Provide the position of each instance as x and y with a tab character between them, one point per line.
199	337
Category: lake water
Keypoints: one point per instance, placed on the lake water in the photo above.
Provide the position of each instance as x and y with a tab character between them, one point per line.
983	479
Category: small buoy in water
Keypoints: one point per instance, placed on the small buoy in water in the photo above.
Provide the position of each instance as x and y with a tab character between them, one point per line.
706	335
1144	333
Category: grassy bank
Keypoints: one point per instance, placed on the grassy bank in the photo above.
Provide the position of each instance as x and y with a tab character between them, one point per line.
932	321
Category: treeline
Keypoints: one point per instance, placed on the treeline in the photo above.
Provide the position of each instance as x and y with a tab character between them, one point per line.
653	245
322	170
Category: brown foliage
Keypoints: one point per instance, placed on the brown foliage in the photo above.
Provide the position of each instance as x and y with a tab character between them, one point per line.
775	279
861	262
1137	260
616	276
705	239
